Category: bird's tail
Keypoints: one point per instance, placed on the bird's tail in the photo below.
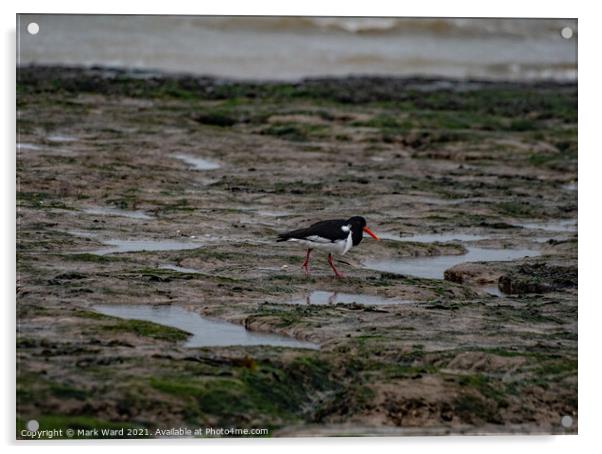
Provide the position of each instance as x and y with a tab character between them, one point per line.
300	233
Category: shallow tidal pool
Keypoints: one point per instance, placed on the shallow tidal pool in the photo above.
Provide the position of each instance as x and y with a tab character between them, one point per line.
204	332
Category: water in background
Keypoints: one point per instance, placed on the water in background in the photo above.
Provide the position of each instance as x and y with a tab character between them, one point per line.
296	47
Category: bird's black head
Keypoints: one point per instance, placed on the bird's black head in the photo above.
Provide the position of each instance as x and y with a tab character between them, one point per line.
357	224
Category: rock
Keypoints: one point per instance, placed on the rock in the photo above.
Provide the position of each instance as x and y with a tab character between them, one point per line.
472	273
215	119
498	225
539	278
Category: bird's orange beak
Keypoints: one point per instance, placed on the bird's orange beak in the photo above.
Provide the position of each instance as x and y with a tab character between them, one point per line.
367	230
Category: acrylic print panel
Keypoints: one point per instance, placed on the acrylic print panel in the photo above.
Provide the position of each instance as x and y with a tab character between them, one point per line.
170	174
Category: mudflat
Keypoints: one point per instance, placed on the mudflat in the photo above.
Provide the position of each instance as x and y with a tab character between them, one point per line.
139	188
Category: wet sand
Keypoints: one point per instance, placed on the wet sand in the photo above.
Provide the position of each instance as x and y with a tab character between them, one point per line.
113	217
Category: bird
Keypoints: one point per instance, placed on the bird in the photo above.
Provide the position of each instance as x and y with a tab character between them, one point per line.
333	235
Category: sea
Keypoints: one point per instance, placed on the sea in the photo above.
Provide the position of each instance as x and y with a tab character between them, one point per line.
292	48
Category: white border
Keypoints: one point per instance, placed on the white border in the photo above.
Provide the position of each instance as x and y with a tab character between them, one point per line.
427	8
589	206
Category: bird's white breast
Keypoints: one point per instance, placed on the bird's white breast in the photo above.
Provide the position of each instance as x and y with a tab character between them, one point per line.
339	246
348	243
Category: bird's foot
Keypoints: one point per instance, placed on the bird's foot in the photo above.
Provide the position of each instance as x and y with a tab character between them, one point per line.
336	272
305	265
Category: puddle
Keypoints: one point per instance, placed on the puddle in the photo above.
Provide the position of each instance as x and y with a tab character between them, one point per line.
60	138
118	246
320	298
564	225
433	238
28	146
204	332
570	186
197	163
22	147
103	211
179	269
433	267
492	290
443	202
272	214
82	234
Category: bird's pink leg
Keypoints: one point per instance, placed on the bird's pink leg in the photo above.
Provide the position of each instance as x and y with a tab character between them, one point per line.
306	263
332	266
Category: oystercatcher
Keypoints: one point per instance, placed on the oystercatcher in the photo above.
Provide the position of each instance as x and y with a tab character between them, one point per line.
334	235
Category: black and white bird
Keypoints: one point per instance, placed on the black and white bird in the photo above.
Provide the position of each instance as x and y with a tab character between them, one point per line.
335	236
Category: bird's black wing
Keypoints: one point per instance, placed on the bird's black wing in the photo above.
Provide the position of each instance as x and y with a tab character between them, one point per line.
329	230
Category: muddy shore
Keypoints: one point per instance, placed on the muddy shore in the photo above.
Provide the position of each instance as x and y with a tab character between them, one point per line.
138	188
